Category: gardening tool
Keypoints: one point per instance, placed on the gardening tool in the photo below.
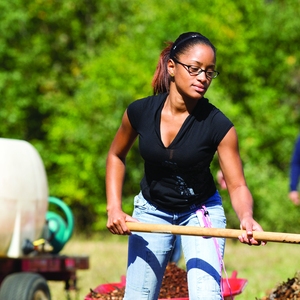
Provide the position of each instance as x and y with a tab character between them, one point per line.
266	236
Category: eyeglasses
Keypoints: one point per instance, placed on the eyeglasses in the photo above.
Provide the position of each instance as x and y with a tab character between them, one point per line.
195	71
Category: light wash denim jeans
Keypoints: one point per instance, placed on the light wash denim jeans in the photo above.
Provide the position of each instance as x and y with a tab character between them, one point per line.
149	253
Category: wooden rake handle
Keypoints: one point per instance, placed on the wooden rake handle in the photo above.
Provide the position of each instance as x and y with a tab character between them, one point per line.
266	236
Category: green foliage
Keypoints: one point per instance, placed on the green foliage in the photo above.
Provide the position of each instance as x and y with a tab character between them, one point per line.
69	70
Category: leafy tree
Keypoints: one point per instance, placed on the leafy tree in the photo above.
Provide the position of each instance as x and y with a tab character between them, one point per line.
69	70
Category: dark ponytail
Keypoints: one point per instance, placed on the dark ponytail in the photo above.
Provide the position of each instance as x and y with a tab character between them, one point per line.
161	78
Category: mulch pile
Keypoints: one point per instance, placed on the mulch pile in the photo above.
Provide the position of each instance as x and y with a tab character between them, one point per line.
287	290
174	285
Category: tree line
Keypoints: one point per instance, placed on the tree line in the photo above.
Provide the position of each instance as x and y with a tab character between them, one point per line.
70	68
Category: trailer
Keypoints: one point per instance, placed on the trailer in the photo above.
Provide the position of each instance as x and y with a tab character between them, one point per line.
25	278
31	235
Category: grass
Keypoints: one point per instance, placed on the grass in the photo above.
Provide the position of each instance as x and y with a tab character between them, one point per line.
264	267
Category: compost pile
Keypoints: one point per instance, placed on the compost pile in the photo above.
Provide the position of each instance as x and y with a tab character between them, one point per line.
287	290
174	285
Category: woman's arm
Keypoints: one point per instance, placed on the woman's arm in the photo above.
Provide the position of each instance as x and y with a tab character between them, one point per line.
241	198
115	173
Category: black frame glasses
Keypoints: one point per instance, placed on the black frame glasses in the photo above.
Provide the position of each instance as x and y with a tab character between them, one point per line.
195	71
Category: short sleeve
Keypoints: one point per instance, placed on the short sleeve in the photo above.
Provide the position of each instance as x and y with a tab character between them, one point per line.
220	126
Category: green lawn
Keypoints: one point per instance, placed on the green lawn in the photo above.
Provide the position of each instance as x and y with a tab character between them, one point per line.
264	267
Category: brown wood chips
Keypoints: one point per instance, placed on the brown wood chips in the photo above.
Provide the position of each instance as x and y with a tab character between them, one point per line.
174	285
287	290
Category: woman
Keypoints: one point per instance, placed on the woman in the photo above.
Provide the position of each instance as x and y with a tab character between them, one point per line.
179	132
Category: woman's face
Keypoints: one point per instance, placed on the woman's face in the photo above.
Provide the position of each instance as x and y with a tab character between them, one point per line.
197	58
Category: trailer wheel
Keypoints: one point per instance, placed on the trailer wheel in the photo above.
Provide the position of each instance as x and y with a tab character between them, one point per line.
25	286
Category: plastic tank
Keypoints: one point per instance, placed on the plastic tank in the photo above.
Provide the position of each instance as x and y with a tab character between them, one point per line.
23	196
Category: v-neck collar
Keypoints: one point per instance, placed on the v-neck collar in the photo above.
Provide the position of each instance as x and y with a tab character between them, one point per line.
181	129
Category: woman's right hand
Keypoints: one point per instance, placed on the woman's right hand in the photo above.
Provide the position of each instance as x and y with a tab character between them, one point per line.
116	222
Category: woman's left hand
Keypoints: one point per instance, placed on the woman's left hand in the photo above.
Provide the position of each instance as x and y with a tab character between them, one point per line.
250	225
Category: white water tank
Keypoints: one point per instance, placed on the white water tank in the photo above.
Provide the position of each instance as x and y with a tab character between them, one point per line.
23	196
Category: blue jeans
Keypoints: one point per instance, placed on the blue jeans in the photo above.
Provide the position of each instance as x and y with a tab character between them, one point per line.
176	253
149	253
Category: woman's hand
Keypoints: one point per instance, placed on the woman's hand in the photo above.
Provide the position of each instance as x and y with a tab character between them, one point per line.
249	225
116	222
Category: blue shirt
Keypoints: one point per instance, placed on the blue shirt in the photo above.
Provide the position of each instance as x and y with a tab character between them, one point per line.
295	167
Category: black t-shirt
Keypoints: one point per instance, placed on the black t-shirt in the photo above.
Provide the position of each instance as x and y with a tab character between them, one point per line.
178	177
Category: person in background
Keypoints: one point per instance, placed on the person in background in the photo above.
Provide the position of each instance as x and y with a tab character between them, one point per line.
295	174
179	131
221	180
